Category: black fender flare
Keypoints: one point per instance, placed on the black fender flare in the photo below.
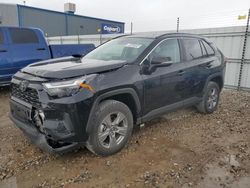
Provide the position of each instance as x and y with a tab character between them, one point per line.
97	101
219	74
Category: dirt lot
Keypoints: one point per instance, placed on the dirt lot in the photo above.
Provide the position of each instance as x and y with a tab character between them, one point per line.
182	149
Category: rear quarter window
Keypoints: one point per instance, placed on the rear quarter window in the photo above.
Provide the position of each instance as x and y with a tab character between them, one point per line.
23	36
209	49
1	37
204	51
192	48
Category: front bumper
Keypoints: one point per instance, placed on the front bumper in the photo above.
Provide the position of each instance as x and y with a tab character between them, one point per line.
40	139
64	126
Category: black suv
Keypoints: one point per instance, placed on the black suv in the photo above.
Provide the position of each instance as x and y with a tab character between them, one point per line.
96	100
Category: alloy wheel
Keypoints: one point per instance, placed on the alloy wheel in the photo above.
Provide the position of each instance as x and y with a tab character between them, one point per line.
212	98
113	129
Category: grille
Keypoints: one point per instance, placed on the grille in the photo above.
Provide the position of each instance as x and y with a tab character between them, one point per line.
29	95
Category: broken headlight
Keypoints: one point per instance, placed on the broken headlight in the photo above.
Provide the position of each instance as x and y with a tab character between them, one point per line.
66	88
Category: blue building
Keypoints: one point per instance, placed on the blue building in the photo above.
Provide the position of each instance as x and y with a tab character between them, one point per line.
55	23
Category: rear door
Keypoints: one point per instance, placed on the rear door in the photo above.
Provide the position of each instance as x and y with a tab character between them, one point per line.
5	59
197	66
27	47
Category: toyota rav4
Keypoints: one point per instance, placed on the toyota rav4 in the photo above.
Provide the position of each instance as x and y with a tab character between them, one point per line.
97	100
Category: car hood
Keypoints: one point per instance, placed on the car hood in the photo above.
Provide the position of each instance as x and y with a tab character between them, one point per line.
70	67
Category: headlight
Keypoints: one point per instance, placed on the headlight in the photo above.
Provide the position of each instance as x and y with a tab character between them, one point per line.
66	88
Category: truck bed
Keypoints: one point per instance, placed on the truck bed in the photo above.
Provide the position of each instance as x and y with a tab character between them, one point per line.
63	50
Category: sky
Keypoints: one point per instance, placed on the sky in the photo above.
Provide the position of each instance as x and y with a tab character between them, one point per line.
154	15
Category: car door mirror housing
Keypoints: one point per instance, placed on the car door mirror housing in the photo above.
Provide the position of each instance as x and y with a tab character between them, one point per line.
160	60
156	63
163	64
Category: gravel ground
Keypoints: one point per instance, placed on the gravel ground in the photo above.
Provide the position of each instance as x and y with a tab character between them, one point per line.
181	149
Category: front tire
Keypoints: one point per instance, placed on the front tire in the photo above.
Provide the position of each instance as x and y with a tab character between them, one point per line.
210	99
112	126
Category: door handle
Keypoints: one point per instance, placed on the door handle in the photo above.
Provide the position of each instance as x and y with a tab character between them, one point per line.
1	51
181	72
207	65
40	49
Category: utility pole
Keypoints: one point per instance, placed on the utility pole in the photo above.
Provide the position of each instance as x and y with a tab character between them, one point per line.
80	32
178	24
100	38
78	38
99	30
131	27
243	51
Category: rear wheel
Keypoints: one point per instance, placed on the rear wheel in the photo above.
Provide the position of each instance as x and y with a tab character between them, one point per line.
210	99
112	126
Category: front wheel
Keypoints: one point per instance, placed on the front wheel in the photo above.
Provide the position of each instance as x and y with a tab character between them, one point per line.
210	99
112	126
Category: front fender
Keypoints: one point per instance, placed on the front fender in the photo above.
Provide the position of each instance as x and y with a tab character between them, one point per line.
101	97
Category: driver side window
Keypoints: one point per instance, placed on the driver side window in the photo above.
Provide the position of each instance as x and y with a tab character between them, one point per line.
168	49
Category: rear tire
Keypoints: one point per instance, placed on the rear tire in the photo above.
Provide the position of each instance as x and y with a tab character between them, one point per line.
210	99
112	125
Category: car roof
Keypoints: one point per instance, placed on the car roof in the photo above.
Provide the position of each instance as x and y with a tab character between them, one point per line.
16	27
163	35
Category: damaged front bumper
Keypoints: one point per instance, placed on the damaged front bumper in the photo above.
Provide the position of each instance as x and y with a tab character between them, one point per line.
54	125
40	139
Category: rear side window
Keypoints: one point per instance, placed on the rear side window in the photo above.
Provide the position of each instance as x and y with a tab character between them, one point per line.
192	48
23	36
209	49
1	37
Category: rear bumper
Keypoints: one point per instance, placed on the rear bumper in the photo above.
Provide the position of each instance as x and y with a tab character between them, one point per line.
40	139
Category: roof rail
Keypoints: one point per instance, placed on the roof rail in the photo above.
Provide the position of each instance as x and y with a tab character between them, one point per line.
186	34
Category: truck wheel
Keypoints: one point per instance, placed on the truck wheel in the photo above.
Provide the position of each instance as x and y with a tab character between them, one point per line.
112	126
210	99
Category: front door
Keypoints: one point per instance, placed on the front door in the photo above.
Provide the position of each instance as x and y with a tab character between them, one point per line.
5	59
162	85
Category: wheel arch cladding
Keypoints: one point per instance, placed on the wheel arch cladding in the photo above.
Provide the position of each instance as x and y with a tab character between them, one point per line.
218	80
128	100
128	96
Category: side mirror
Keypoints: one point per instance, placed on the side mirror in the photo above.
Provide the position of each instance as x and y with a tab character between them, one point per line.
154	63
78	55
157	62
160	60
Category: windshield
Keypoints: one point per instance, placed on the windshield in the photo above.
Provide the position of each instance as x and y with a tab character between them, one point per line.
125	49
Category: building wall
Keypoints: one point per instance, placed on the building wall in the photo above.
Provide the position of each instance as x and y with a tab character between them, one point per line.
60	24
78	25
8	15
53	24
